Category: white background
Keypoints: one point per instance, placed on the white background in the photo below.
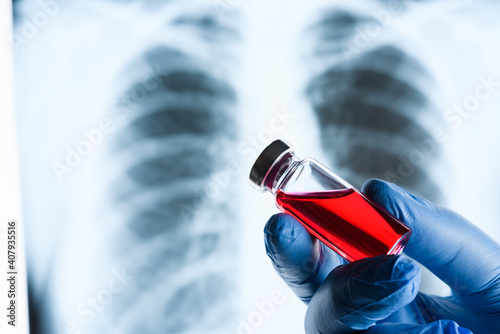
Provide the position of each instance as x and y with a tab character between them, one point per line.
9	180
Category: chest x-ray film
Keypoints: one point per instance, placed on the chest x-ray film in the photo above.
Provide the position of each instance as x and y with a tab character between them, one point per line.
139	121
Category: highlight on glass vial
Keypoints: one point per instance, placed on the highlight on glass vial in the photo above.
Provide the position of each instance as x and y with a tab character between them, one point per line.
329	207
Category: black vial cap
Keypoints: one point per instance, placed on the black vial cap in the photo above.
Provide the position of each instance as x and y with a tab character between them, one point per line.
266	160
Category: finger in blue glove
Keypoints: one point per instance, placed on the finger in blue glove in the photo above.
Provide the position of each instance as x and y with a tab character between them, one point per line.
357	295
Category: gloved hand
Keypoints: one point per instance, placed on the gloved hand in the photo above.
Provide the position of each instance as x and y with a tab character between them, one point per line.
380	294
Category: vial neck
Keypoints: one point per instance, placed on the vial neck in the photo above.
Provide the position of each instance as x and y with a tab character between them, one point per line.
276	177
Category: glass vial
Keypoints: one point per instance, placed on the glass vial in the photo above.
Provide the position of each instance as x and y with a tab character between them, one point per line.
330	208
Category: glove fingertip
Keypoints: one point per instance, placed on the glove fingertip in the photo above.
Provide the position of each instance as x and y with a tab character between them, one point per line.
389	196
406	269
388	281
282	231
386	269
297	256
373	187
357	295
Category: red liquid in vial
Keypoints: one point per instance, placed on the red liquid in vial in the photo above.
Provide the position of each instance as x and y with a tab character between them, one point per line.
346	222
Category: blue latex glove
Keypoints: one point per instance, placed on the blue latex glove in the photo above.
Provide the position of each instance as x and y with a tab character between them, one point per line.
380	294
